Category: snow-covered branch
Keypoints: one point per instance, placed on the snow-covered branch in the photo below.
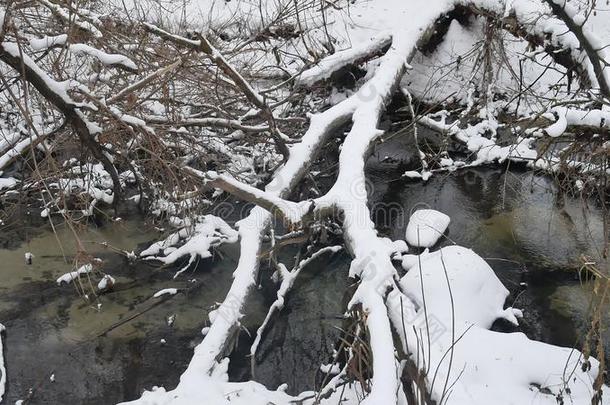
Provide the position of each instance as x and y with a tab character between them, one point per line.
593	47
292	213
333	63
570	119
203	45
287	278
195	239
56	93
211	122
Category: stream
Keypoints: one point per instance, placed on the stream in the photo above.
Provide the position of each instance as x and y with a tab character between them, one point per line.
59	348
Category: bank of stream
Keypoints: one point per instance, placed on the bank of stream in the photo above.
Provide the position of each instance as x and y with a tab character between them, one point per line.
533	239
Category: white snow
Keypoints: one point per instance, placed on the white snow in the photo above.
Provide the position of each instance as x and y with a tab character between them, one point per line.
60	88
74	18
166	291
332	63
426	227
330	368
496	367
105	58
487	367
209	231
73	275
106	282
39	44
568	116
9	182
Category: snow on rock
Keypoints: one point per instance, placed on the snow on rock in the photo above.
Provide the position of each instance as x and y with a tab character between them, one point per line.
486	366
426	227
478	295
166	291
73	275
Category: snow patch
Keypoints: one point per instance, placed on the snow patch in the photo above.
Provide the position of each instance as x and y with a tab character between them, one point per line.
73	275
166	291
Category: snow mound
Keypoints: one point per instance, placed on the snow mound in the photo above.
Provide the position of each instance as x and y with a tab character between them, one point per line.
478	295
469	362
426	227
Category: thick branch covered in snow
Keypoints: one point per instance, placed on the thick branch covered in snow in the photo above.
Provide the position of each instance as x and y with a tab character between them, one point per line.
570	119
333	63
292	213
56	93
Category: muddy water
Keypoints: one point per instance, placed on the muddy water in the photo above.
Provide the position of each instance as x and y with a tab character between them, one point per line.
53	331
532	238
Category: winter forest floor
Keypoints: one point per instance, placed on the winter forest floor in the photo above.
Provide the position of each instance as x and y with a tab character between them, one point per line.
316	202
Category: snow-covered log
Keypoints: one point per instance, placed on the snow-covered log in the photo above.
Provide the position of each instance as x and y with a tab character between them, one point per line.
354	55
573	119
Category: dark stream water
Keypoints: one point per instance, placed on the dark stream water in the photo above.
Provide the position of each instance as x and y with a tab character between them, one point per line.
532	238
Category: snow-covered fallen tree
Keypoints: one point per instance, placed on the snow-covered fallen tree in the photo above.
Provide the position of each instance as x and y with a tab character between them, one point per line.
460	364
178	119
